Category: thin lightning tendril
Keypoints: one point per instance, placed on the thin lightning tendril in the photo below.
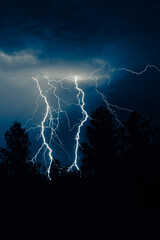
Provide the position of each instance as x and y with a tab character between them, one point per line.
134	72
109	105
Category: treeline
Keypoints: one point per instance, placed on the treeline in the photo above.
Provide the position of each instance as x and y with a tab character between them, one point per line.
117	186
114	151
124	161
131	147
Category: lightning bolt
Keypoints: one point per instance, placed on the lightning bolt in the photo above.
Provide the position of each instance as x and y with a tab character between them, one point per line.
134	72
83	120
49	116
102	95
53	123
110	105
45	145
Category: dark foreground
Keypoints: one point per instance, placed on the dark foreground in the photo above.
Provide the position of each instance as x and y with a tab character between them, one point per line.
74	209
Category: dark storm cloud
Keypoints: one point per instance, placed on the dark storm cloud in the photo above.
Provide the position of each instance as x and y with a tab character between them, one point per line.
140	92
72	36
113	30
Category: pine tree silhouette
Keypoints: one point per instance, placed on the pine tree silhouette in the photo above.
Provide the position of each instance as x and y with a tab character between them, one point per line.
16	153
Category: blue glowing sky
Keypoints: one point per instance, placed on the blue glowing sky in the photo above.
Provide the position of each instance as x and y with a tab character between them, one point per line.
63	39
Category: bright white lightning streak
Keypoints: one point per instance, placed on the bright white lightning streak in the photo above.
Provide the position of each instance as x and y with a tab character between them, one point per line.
48	116
83	120
44	144
59	100
50	125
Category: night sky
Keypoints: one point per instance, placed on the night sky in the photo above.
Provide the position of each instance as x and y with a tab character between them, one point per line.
63	39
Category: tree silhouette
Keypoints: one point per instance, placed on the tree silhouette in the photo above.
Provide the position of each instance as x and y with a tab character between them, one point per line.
138	139
16	153
55	171
101	150
139	165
